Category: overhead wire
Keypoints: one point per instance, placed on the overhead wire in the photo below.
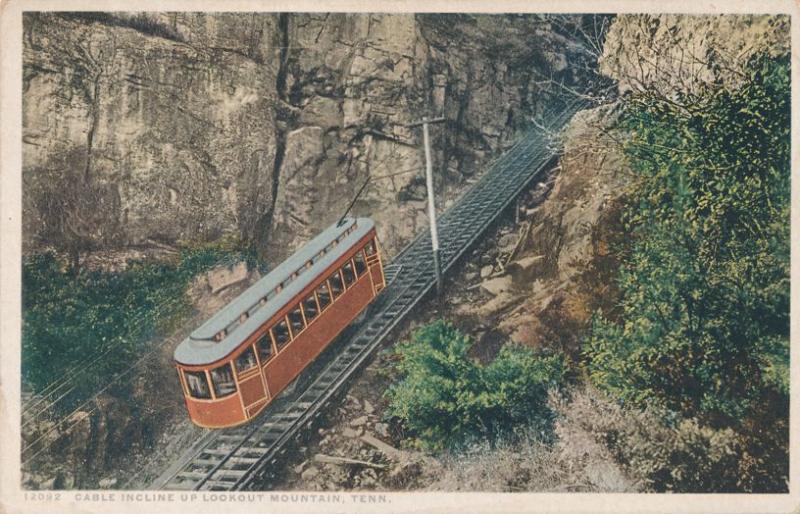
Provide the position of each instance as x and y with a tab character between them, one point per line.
82	364
81	368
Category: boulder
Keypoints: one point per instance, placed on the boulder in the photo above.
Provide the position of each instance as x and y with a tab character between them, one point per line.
497	285
360	421
506	241
350	433
226	276
526	263
107	483
368	408
310	473
382	429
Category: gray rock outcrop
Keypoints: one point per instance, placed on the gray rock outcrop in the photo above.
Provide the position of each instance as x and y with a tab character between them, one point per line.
178	128
683	53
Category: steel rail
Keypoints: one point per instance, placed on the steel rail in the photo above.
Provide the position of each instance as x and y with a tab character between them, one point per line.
236	458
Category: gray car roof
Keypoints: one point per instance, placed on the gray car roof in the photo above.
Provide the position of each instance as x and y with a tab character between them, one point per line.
200	347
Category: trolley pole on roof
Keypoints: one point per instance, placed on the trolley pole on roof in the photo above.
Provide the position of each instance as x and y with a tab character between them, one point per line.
431	205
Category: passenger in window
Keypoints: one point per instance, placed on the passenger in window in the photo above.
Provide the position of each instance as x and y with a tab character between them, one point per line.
349	274
310	308
247	360
296	321
337	286
264	345
198	384
222	378
360	262
323	295
281	334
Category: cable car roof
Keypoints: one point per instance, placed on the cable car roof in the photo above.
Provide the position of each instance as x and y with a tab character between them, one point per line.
201	348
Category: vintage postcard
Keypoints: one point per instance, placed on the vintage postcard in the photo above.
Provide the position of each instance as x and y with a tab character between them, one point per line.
403	257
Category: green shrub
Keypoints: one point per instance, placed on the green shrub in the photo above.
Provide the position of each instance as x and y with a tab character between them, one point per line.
445	398
703	329
705	313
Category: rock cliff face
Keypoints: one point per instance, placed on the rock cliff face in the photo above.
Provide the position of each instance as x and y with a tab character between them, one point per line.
177	128
682	53
175	140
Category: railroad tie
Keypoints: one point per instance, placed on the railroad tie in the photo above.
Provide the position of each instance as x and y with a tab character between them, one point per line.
192	475
230	437
252	450
233	461
226	472
215	451
217	485
206	462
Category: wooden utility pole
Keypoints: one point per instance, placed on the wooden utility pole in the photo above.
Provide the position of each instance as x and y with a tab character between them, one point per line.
431	204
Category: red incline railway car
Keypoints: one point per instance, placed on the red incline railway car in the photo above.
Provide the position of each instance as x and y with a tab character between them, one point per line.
232	366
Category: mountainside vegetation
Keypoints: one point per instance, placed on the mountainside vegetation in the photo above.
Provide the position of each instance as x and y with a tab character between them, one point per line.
689	375
628	331
705	283
85	328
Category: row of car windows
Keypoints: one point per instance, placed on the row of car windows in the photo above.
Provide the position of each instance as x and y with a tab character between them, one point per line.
219	336
284	331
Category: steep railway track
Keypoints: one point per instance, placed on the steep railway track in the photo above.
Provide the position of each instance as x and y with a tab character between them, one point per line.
240	457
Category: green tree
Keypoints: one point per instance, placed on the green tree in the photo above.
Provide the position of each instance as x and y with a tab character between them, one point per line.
705	324
445	398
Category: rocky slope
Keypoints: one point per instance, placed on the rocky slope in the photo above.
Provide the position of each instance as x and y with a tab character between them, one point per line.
564	270
536	282
174	128
143	133
126	439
